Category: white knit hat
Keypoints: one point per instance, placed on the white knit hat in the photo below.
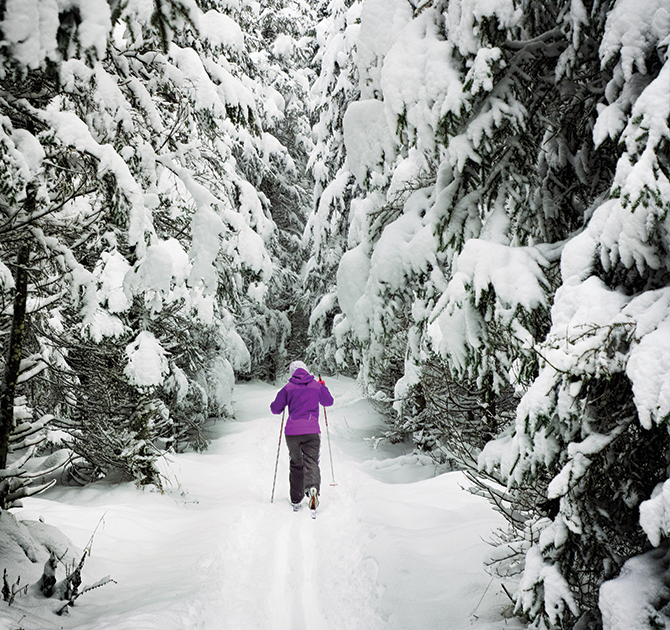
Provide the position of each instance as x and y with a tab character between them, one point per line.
295	365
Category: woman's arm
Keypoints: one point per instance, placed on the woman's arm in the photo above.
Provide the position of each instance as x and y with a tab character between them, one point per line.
278	404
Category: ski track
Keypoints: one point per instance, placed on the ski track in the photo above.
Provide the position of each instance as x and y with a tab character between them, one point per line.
281	569
310	599
273	582
281	593
215	554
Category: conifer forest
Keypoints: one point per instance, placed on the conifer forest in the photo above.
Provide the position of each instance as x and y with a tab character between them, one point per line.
464	205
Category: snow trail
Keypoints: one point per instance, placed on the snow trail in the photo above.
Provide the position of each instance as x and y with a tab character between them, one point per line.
394	546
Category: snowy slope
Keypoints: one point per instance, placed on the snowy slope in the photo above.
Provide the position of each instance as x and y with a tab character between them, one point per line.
395	546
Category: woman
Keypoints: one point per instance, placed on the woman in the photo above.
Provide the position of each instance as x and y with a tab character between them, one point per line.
302	395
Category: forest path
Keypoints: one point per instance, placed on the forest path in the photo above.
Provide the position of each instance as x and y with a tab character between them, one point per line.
296	572
395	545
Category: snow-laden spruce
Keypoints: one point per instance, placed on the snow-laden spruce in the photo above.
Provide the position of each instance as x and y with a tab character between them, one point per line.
507	245
140	161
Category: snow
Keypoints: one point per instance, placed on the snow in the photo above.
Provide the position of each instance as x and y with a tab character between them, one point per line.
163	262
461	150
390	552
110	273
283	46
578	462
221	30
584	315
418	80
177	382
578	18
655	514
410	378
514	274
6	278
632	600
206	226
108	96
633	29
352	276
325	306
463	16
649	371
21	541
220	385
405	247
395	544
647	128
30	150
367	138
236	351
102	324
360	212
96	23
30	27
407	170
72	131
381	22
204	91
147	363
556	589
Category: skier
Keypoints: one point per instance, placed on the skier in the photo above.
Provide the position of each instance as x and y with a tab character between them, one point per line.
303	394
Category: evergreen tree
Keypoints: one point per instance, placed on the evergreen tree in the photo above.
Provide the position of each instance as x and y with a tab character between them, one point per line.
325	239
139	139
592	429
506	243
281	44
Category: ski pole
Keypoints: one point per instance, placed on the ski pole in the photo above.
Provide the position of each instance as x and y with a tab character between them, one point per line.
330	451
281	430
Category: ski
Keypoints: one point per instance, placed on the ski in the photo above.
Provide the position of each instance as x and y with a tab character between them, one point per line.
313	513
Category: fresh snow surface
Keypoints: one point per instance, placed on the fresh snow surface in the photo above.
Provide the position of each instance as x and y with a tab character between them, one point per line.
395	545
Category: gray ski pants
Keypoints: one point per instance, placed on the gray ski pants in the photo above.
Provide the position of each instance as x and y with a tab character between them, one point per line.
303	451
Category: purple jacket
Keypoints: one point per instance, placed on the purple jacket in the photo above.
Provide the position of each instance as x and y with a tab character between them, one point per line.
302	394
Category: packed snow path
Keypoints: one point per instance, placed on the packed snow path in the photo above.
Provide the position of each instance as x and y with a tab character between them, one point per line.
394	547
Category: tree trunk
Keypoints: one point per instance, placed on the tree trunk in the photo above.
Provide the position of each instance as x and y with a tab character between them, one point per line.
15	353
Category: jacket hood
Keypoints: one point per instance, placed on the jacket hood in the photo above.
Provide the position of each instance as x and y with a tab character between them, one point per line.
301	377
295	365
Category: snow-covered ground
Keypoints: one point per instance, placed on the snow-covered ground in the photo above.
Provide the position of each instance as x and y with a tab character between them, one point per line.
395	545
